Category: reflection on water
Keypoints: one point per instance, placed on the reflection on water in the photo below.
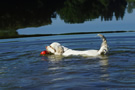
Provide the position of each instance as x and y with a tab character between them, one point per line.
57	58
15	15
131	6
74	69
86	10
21	66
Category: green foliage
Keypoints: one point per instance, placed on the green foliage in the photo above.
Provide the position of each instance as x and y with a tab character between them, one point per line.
131	6
79	11
16	14
8	33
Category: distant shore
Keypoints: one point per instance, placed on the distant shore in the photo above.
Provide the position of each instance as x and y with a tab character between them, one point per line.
73	33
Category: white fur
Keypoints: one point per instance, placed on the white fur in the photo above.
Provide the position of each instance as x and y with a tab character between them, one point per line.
57	49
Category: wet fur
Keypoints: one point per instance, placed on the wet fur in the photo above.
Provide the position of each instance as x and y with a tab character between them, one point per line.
57	49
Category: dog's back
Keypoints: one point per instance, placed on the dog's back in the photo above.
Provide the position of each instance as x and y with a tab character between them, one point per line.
103	50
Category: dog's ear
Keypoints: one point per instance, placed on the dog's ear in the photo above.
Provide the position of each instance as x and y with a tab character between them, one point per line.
59	50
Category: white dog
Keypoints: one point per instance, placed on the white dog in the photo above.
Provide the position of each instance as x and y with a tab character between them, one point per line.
57	49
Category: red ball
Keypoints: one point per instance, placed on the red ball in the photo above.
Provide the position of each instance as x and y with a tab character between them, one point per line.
44	52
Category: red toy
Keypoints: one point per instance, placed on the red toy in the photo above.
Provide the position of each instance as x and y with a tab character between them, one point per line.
43	52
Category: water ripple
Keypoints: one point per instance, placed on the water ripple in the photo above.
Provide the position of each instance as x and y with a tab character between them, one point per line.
21	66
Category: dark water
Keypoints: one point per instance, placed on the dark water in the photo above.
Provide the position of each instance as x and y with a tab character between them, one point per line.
74	24
21	66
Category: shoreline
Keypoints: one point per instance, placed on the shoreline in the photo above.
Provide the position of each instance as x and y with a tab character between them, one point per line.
72	33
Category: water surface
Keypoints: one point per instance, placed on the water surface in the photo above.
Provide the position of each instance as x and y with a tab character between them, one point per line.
21	66
74	24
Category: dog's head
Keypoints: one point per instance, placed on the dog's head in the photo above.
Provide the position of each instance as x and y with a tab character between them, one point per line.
55	48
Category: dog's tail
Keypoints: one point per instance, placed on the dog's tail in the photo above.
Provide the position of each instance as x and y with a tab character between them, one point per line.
104	47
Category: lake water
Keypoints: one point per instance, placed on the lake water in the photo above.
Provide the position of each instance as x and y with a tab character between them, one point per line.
22	67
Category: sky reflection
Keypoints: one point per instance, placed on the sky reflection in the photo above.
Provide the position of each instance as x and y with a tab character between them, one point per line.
58	26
